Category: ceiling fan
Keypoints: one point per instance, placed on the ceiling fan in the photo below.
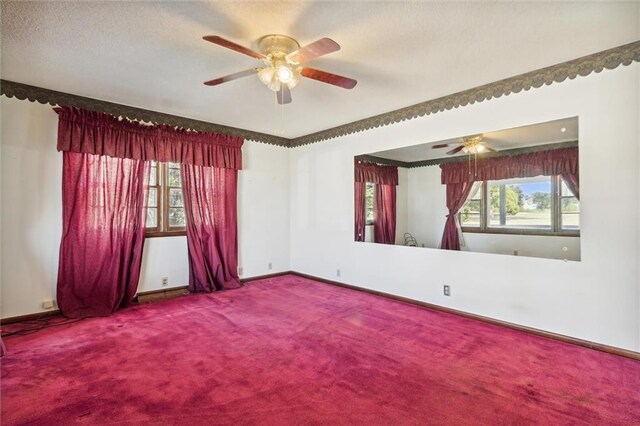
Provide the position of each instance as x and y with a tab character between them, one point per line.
468	145
283	60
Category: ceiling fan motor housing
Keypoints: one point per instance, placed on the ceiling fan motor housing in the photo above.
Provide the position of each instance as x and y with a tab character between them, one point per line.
276	43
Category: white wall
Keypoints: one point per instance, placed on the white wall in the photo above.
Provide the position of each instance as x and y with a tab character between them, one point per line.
402	214
597	299
31	206
427	213
31	219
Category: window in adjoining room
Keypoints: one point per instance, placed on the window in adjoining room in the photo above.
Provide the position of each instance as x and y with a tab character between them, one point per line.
165	205
369	196
541	205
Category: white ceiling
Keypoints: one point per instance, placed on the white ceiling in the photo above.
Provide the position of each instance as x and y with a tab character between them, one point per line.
151	54
500	140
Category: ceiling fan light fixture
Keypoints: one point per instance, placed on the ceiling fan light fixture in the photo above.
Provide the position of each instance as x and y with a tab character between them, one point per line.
266	75
285	74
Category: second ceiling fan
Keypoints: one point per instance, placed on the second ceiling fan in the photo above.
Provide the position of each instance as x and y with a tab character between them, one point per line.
468	145
283	60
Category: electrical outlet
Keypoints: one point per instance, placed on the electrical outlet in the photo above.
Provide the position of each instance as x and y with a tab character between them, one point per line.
165	281
240	270
337	272
47	304
447	290
270	266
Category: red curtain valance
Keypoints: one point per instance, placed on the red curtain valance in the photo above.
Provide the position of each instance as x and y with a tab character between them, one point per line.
382	175
541	163
102	134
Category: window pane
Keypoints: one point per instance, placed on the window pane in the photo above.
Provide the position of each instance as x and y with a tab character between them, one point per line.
571	221
177	217
570	213
173	178
520	203
369	196
470	213
152	217
153	197
175	197
153	174
570	204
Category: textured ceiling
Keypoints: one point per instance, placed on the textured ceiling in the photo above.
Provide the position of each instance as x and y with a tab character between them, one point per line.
151	54
506	139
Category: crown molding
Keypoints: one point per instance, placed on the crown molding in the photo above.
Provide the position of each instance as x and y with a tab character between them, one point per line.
609	59
21	91
460	158
379	160
504	153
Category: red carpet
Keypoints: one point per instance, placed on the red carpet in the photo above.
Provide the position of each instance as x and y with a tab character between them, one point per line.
293	351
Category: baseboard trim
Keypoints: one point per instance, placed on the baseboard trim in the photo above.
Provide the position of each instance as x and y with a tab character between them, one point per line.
161	290
160	294
29	317
264	277
549	335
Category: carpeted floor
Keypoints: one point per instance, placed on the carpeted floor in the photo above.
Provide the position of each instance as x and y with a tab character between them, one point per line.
289	350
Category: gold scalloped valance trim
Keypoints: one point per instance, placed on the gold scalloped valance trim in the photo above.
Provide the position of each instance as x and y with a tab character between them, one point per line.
45	96
609	59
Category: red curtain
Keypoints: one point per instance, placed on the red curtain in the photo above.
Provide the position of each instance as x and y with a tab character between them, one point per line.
459	178
102	233
102	134
359	190
572	181
375	173
541	163
384	226
385	178
210	200
457	194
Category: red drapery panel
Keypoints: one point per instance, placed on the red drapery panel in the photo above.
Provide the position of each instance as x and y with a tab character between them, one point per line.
385	178
457	194
359	190
384	226
210	200
102	233
541	163
102	134
380	175
573	183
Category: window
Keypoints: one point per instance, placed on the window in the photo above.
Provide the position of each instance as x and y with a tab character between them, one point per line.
369	195
165	205
541	205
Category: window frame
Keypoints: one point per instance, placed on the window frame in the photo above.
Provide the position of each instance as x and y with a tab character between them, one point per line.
163	228
556	216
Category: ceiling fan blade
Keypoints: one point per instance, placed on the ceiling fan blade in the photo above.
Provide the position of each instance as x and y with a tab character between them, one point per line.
440	145
325	77
488	148
230	77
317	48
233	46
284	95
455	150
